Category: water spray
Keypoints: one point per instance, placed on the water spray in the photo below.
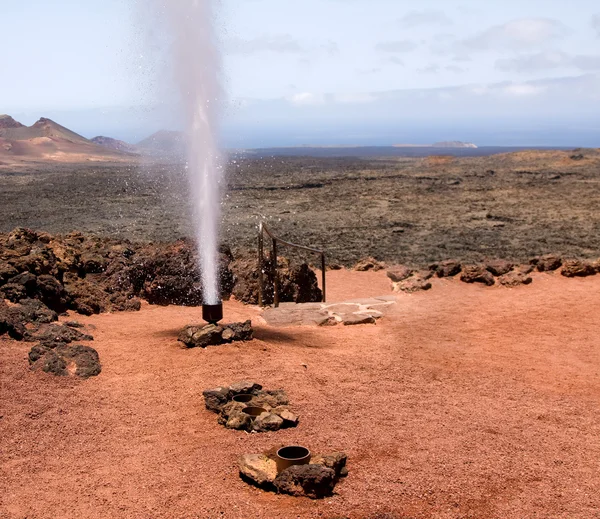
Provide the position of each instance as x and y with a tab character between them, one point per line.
197	67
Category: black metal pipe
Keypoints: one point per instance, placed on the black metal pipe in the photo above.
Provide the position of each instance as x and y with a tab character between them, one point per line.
212	313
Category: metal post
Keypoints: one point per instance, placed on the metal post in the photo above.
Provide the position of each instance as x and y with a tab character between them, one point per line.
275	276
261	265
323	274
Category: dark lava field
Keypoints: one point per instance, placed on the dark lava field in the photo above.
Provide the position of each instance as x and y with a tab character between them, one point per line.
408	210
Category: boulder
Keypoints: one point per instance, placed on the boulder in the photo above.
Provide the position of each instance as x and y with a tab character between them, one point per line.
11	322
34	311
56	333
314	481
577	268
201	336
244	387
499	267
52	293
477	274
267	422
258	469
66	360
398	273
216	398
13	292
369	264
335	460
547	263
447	268
514	278
7	271
27	280
411	285
289	418
238	332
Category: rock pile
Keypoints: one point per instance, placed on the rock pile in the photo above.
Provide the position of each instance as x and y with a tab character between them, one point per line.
266	410
91	275
193	336
316	479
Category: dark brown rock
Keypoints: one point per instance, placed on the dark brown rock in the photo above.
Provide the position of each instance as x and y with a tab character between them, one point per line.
267	422
353	319
335	460
244	387
369	264
216	398
314	481
499	267
398	273
412	284
477	274
547	262
448	268
201	336
238	332
577	268
56	333
514	278
76	360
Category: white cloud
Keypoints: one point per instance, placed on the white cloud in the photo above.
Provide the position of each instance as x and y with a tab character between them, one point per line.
428	17
281	43
549	60
306	99
517	34
354	98
523	89
396	46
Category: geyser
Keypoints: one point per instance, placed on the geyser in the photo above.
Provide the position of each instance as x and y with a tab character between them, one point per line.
197	67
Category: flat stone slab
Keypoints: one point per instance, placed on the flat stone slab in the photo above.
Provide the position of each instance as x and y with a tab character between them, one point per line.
356	311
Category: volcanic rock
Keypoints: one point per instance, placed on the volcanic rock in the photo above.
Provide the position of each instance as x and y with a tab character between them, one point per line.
314	481
201	336
258	469
289	418
499	267
13	292
211	334
244	387
477	274
11	322
335	460
297	284
56	333
267	422
577	268
412	284
445	269
547	262
34	311
215	398
514	278
76	360
7	271
369	264
398	273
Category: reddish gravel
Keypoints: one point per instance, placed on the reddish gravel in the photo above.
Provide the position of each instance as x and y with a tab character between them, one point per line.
467	402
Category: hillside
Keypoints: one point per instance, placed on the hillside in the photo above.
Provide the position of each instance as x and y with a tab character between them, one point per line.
46	140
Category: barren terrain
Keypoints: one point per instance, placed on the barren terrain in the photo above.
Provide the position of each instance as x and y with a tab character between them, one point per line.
465	402
411	210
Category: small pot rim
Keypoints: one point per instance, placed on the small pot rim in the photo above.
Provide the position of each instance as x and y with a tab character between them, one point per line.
305	450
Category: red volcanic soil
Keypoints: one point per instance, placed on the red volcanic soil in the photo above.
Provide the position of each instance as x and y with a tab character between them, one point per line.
465	402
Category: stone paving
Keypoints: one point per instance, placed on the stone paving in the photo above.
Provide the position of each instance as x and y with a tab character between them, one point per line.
356	311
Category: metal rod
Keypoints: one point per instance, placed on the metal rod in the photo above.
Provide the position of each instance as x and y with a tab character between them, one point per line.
275	275
261	262
323	274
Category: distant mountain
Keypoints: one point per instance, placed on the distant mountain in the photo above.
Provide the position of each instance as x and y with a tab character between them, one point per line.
46	140
164	143
115	144
453	144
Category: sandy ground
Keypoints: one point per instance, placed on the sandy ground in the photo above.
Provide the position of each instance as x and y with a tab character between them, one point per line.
466	402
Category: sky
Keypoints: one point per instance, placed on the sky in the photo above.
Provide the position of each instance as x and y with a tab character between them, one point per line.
321	72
